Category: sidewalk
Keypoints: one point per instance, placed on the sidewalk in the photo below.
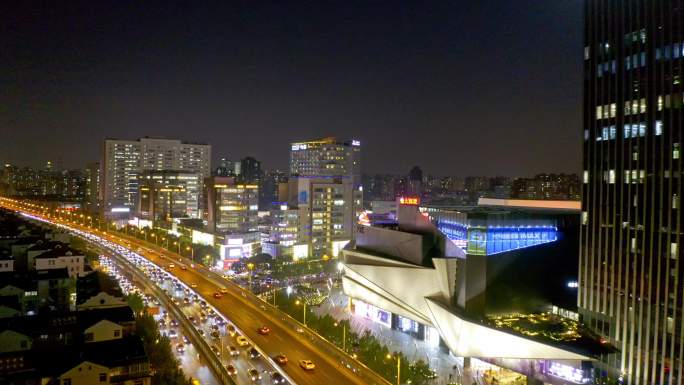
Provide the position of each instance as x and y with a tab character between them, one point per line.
439	359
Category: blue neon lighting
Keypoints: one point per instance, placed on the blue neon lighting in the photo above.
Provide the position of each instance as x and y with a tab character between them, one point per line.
496	239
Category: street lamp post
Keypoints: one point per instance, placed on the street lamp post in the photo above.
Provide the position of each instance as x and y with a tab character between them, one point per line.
304	310
398	358
250	266
344	336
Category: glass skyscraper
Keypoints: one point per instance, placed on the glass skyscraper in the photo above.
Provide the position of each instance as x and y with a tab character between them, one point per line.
630	278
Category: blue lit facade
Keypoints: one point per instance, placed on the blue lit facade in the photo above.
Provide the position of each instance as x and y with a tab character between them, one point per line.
484	239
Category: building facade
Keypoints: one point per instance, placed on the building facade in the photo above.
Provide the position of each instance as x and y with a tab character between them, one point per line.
232	207
165	195
123	162
326	157
630	279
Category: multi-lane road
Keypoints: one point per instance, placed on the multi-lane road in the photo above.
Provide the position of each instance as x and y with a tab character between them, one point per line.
249	314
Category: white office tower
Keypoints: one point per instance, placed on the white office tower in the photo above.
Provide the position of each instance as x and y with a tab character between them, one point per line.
124	161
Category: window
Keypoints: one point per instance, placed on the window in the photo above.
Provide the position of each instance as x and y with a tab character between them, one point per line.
674	250
103	377
585	217
675	151
88	337
117	333
585	176
611	176
659	127
66	381
675	201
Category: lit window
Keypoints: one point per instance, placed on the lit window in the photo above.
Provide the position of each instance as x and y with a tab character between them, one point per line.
585	217
659	127
674	250
611	176
585	176
675	151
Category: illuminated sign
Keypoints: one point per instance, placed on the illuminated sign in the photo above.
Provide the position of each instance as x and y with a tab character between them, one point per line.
356	143
568	373
120	209
409	201
202	238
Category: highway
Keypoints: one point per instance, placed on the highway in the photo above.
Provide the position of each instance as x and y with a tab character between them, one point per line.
248	314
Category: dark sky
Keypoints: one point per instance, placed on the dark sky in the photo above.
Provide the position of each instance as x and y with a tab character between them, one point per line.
458	87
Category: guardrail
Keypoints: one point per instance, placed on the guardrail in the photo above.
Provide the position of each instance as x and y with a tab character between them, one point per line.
199	343
341	356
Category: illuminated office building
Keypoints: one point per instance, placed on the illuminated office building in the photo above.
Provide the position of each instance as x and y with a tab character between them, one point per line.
327	157
325	187
123	162
631	283
166	195
232	206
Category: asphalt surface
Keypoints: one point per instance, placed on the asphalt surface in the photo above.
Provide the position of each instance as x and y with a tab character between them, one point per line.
248	317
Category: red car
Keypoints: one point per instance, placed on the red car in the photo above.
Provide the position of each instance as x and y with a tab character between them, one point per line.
218	295
264	330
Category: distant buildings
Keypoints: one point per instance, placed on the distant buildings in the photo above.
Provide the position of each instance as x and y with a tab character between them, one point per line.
327	157
124	161
548	187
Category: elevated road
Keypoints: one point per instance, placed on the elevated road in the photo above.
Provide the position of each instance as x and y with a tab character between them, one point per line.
248	313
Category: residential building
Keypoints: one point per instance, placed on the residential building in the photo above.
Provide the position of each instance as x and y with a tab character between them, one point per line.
62	257
630	278
93	194
124	161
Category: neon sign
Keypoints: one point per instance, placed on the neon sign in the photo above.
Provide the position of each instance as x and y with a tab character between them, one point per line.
409	201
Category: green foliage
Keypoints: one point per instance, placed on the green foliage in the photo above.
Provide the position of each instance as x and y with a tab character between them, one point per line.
158	348
136	303
367	347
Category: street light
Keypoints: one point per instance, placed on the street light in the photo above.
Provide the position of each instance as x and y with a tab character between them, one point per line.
398	358
192	252
297	302
344	336
250	266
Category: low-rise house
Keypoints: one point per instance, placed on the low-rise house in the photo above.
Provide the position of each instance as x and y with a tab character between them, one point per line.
62	257
98	290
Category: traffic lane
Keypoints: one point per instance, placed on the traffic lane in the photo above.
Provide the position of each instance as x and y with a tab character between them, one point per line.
296	348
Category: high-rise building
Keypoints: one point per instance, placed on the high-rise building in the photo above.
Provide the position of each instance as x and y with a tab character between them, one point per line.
328	208
250	170
93	196
168	194
325	186
631	283
270	186
232	206
327	157
228	167
123	161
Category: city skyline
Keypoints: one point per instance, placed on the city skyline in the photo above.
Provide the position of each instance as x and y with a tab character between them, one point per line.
272	75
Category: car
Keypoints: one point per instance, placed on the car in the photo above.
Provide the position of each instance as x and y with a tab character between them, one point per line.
180	348
281	359
193	320
264	330
171	265
231	369
232	350
184	267
224	291
216	350
307	364
193	285
218	295
277	378
253	353
200	332
215	335
174	323
186	340
172	333
254	374
242	341
231	330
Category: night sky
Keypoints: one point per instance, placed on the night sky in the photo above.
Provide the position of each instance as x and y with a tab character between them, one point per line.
459	87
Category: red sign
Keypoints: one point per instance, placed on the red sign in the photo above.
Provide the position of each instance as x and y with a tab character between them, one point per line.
409	201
